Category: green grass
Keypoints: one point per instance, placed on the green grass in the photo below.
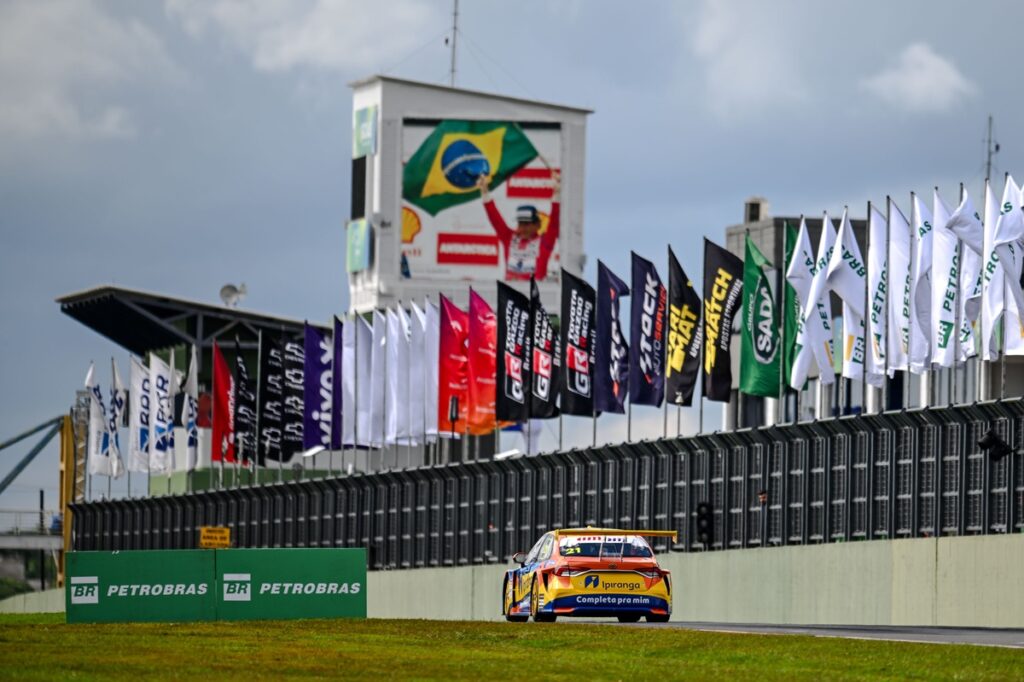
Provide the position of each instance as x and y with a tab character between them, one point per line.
43	647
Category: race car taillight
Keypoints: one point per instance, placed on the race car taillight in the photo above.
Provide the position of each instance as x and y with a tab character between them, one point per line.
563	571
653	573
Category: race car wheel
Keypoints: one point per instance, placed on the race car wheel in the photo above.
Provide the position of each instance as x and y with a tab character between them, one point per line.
657	618
629	618
539	617
509	617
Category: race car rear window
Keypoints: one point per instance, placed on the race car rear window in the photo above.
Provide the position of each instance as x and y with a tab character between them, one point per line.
612	546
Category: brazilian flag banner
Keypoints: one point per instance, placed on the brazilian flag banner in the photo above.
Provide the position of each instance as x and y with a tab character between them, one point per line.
444	171
759	350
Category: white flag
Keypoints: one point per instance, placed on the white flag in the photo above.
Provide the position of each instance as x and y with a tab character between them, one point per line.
378	379
799	275
100	453
878	278
418	371
945	286
161	410
397	400
899	292
118	397
433	349
190	413
920	286
357	346
1008	244
966	224
847	276
138	416
992	274
819	305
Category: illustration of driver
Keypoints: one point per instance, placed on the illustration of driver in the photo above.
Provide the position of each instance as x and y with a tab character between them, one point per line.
526	250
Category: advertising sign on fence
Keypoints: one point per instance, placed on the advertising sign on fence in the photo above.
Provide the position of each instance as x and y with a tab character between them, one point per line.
198	585
214	537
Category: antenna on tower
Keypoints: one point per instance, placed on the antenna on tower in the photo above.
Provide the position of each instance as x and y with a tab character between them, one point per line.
455	33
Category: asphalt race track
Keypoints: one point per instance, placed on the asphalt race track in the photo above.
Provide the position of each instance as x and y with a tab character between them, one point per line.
933	635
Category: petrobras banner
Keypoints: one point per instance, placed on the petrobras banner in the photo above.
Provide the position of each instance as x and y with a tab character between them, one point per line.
271	397
611	373
513	357
294	359
100	453
945	286
317	388
208	585
161	402
577	332
138	416
685	336
546	361
878	284
723	285
922	238
900	292
647	335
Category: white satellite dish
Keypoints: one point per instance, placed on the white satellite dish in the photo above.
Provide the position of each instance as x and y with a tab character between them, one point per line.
232	295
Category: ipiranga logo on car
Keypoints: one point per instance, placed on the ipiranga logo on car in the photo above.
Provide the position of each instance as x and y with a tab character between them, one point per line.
613	584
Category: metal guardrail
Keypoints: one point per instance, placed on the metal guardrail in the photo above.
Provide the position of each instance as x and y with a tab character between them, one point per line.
916	473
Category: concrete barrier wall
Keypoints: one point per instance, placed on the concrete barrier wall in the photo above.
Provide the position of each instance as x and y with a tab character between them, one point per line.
970	581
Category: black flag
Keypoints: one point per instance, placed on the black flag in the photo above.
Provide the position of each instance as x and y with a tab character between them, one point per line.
611	372
513	357
577	336
545	361
647	335
723	284
245	409
271	391
685	336
294	358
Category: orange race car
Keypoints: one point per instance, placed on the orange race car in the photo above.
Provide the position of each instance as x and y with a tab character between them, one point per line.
597	572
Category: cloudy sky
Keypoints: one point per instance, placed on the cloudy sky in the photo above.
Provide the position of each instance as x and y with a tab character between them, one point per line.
178	145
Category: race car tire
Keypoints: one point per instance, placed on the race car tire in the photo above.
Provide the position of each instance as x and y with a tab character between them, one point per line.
517	619
510	618
657	618
629	618
539	617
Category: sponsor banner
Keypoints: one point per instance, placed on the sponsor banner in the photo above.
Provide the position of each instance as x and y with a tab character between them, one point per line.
545	360
206	585
161	406
338	351
647	335
159	585
513	357
359	242
317	388
138	416
723	284
291	583
467	249
759	336
611	374
452	367
480	354
271	396
245	408
364	131
577	338
685	336
452	228
293	408
222	442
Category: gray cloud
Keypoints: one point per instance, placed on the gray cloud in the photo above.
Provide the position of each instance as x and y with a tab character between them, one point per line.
921	81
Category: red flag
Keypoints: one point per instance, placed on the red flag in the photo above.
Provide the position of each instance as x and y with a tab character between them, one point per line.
453	367
223	440
482	360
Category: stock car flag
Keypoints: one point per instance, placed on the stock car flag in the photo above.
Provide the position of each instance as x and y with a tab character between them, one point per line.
513	356
685	336
444	171
647	335
723	284
577	336
222	443
611	373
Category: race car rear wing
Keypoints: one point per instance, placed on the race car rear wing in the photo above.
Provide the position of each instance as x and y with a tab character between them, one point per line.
618	531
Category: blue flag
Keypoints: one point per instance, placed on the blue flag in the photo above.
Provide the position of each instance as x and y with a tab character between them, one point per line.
611	369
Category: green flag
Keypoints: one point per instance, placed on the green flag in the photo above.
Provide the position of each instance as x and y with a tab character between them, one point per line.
444	171
759	348
790	308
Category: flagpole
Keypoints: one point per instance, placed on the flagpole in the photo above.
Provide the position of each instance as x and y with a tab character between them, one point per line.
171	425
679	420
910	321
958	321
865	318
664	419
1002	356
256	438
982	378
781	414
700	426
560	427
629	422
888	321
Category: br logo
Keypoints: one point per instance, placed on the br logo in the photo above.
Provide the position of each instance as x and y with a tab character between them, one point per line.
85	589
237	586
592	581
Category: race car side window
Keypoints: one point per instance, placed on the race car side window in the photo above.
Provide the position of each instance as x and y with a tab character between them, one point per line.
545	550
532	556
